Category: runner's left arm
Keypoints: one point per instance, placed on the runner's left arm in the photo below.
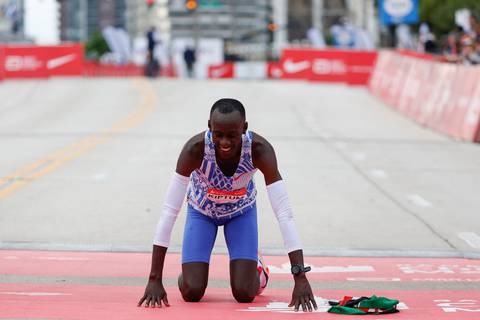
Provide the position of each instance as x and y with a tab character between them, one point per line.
265	160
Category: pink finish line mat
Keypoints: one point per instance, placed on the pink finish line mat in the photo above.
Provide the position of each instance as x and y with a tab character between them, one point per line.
427	288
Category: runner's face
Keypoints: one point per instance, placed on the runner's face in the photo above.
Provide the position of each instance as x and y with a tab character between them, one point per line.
227	130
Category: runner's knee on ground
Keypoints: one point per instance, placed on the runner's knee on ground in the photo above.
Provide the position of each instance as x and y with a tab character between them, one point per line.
244	279
193	281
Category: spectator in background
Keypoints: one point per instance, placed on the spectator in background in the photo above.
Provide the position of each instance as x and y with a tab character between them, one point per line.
189	57
475	25
426	39
404	37
343	34
469	55
451	46
152	41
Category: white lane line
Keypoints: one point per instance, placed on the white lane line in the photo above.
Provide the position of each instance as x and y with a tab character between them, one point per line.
419	201
375	279
471	238
11	258
35	294
380	174
340	145
359	156
285	269
63	258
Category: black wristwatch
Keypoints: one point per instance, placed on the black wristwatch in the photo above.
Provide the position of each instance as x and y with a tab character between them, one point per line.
297	269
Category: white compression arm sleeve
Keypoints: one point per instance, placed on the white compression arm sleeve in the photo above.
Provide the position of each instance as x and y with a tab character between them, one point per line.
278	196
171	206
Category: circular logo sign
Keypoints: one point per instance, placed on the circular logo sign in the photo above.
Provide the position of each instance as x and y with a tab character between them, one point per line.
398	8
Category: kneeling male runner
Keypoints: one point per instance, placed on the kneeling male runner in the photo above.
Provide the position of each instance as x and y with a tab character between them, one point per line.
217	168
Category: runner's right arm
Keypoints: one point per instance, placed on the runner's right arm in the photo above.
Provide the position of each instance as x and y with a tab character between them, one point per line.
190	158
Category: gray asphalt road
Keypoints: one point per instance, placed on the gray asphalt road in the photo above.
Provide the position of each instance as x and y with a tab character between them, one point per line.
85	163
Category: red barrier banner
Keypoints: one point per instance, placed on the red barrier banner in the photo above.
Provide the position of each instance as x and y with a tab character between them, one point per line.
471	125
418	87
25	62
464	92
442	96
274	70
297	63
444	89
65	60
2	63
95	69
386	74
360	66
43	61
353	67
329	66
221	71
398	80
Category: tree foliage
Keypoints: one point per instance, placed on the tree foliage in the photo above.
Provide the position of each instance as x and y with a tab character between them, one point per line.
440	14
96	46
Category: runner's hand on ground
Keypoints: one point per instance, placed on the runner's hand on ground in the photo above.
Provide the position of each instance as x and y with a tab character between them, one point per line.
154	295
302	295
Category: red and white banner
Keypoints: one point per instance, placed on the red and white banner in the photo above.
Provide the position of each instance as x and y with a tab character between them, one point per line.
442	96
348	66
2	62
42	61
221	71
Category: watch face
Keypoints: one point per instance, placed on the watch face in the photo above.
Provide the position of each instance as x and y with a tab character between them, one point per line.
295	269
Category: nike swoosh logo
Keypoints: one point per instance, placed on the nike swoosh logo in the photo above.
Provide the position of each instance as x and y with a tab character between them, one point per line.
238	177
219	72
60	61
290	66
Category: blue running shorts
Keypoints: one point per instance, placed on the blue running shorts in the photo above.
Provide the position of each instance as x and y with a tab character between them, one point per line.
241	235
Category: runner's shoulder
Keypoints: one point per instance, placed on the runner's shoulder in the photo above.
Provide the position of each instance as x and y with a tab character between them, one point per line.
260	146
191	156
195	146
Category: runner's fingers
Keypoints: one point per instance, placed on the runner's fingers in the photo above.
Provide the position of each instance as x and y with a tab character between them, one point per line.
304	305
141	300
314	303
165	301
292	303
309	305
297	304
159	301
147	303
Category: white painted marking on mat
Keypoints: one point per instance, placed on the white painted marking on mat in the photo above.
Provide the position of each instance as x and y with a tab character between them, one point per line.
419	201
359	156
11	258
285	269
471	238
282	307
63	258
380	174
35	294
464	305
374	279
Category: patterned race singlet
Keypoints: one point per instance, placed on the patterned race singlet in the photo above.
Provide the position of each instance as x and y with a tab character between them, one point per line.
216	195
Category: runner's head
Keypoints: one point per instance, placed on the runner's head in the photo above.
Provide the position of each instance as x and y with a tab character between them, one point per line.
227	124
